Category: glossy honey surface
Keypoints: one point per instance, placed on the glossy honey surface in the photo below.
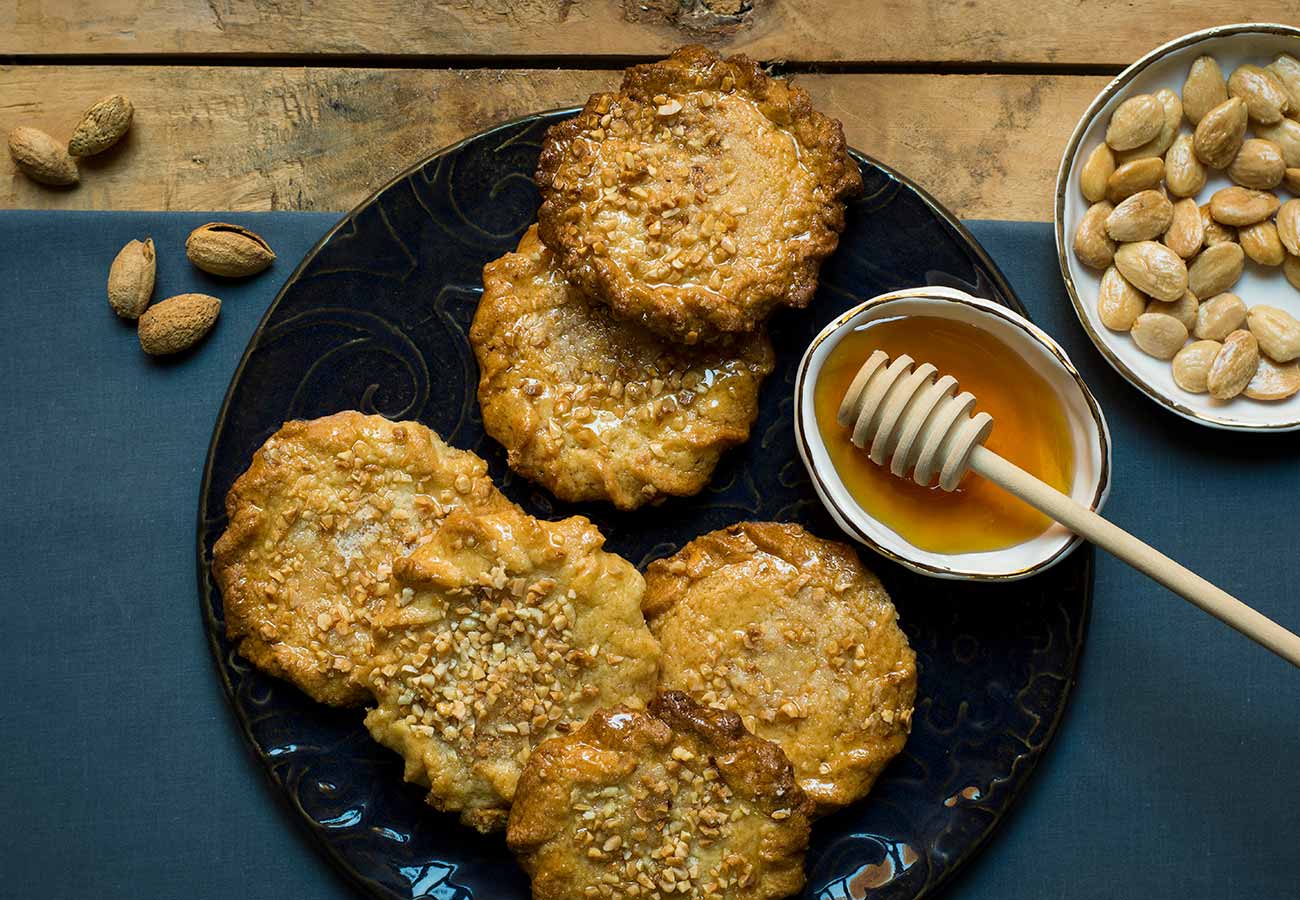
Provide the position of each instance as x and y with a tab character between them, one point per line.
1029	429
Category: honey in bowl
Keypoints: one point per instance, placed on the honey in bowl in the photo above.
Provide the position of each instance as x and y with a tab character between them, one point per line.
1029	428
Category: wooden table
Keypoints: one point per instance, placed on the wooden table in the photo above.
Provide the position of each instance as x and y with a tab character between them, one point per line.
312	104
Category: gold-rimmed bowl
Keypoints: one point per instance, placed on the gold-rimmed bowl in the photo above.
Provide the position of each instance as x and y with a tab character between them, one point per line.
1088	430
1166	67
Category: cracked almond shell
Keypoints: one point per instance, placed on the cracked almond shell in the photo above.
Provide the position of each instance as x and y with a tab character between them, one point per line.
232	251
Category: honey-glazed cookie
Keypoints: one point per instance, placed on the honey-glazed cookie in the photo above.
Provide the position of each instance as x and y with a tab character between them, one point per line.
676	800
506	630
793	634
698	197
315	524
596	408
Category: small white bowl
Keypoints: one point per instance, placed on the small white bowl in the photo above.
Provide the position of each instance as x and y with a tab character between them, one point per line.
1088	429
1166	67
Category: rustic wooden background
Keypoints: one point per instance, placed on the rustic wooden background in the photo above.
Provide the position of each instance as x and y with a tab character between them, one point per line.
312	104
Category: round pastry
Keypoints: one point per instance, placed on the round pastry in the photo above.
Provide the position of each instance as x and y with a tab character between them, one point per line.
675	800
697	198
315	524
595	408
506	630
792	633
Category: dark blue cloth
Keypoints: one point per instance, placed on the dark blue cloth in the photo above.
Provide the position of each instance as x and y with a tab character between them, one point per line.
124	776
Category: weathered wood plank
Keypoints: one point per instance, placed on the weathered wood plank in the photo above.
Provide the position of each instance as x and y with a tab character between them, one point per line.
276	138
1110	32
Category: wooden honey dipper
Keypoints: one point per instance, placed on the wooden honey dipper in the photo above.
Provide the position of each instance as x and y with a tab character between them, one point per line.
913	420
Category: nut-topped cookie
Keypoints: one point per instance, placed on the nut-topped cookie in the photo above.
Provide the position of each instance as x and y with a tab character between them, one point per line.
315	526
793	634
596	408
698	197
505	630
674	800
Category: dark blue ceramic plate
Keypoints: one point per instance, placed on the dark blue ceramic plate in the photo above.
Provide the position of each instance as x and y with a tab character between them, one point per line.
375	318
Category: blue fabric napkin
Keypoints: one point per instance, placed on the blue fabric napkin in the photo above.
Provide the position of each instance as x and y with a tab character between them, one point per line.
124	776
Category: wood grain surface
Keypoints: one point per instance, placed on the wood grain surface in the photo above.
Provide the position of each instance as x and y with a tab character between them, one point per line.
250	138
970	32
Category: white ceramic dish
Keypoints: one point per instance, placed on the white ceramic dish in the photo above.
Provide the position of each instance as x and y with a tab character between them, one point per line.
1166	67
1087	426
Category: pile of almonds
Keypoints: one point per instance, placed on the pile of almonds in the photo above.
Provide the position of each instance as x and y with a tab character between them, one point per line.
1169	264
180	322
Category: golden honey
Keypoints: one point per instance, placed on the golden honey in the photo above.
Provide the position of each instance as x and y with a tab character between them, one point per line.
1029	428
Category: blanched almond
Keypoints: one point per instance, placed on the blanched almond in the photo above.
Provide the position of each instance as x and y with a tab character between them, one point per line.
1192	365
1277	331
1158	335
1288	226
1183	309
1118	302
1184	174
1291	269
1241	206
1274	381
1216	232
1286	69
1258	164
1204	88
1157	146
1261	244
1134	176
1092	245
1095	170
1266	98
1153	269
1219	135
1286	134
1186	232
1219	316
1291	180
1215	270
1134	122
1141	217
1234	365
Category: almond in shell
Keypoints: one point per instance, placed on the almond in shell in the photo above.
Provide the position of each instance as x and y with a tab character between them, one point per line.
1258	164
229	250
42	158
1204	88
1118	302
1274	381
1219	135
1241	206
1192	365
131	277
177	323
1186	233
101	126
1277	331
1154	269
1234	365
1219	316
1185	175
1158	335
1134	122
1134	176
1261	244
1215	270
1266	99
1092	245
1094	172
1141	217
